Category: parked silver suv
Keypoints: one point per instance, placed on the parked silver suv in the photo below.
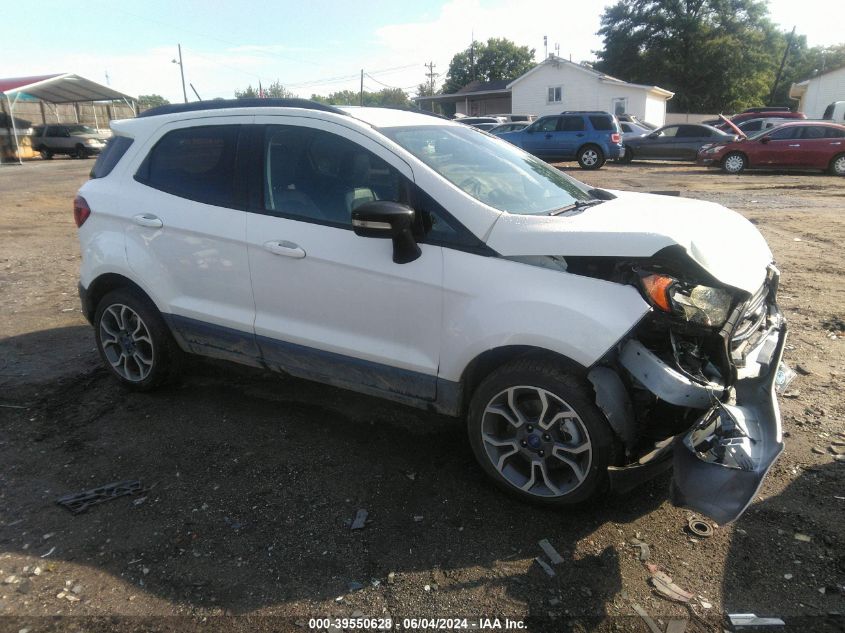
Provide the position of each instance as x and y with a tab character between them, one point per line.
78	141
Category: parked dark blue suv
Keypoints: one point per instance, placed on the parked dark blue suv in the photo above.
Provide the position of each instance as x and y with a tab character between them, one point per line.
588	137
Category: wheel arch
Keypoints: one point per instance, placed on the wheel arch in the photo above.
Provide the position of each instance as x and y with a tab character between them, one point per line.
103	285
587	144
488	361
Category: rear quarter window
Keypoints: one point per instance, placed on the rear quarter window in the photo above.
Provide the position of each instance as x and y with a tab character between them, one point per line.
602	123
110	156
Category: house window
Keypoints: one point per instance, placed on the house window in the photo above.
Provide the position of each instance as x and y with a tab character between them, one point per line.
555	94
619	105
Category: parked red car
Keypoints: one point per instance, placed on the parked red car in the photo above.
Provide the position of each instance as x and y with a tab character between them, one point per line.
793	145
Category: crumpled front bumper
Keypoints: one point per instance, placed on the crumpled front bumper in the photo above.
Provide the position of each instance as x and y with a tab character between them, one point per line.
721	462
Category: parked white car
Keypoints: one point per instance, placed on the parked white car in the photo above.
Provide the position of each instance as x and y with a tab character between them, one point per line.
585	335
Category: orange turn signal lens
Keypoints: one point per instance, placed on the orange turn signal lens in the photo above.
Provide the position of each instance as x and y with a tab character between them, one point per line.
657	289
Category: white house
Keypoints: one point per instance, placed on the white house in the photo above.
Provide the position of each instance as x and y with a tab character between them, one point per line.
553	86
556	85
814	95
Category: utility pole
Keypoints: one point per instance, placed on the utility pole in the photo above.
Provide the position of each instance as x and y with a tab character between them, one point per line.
472	56
782	62
182	72
431	75
545	47
361	97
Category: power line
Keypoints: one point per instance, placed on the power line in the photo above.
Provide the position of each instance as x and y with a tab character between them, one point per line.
182	29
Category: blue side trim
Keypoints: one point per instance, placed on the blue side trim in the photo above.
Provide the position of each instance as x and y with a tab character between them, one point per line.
401	385
345	371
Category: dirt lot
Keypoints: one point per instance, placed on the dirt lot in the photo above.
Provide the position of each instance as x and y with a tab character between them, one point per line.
254	478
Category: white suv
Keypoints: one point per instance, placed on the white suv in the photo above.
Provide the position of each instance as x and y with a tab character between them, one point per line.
590	338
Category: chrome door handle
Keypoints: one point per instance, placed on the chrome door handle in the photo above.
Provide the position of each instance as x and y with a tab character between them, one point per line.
837	143
148	219
283	247
795	145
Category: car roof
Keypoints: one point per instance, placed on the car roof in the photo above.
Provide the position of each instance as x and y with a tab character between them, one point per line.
793	123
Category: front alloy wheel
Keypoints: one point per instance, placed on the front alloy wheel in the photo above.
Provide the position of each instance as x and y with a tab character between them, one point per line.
837	165
536	432
536	441
734	163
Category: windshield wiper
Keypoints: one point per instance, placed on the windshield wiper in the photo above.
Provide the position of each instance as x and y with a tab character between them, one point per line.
577	205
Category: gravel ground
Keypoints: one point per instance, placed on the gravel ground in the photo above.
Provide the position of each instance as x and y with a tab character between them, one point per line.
254	479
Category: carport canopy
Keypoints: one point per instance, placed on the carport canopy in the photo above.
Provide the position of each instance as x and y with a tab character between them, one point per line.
58	88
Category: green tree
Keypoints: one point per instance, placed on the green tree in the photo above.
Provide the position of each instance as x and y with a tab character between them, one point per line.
386	97
804	63
275	90
151	101
716	55
494	60
249	93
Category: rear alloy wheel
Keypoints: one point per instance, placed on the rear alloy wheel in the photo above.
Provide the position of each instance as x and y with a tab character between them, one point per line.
134	341
837	165
590	157
46	154
80	152
536	434
734	163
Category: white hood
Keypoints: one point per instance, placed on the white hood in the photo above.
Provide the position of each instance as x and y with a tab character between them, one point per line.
721	241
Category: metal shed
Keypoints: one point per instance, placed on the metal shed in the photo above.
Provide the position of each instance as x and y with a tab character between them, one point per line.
58	88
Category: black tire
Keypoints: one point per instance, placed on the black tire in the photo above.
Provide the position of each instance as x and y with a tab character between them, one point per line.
524	375
162	351
590	157
80	152
734	163
628	157
837	165
46	154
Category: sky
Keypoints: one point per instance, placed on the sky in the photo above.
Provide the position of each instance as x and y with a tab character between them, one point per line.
309	46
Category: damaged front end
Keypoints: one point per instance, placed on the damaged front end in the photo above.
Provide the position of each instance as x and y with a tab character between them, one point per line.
693	386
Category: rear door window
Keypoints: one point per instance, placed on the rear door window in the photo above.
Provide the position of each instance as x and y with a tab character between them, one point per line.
197	163
572	124
602	123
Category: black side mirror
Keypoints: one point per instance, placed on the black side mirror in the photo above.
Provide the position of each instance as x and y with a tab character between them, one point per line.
765	139
654	135
393	220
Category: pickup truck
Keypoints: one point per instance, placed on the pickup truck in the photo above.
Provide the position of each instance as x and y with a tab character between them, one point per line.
835	112
77	141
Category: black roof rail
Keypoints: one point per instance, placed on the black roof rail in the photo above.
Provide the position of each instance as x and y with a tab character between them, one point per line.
219	104
586	112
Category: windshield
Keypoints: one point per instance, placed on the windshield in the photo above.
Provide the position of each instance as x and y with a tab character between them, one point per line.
81	129
489	169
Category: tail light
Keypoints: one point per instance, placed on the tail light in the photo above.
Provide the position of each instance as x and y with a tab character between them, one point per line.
81	211
615	138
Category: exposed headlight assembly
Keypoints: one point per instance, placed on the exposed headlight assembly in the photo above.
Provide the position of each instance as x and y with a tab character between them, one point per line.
700	305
